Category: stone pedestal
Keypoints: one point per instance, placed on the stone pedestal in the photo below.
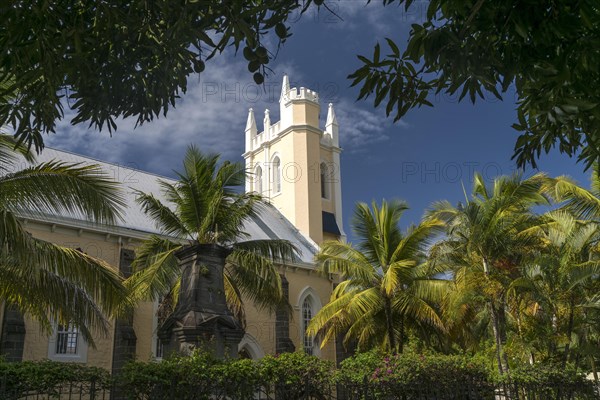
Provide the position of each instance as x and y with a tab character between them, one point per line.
201	317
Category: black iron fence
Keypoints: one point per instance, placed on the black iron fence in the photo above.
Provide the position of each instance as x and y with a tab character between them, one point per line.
245	391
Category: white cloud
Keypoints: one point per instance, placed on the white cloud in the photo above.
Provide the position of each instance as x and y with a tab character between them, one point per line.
211	115
360	128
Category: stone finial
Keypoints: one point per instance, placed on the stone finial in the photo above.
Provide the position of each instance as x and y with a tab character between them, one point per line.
267	123
332	127
251	122
285	88
251	130
331	118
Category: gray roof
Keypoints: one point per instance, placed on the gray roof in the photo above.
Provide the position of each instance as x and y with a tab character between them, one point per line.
270	224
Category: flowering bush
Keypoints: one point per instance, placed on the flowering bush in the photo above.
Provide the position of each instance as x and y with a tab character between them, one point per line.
417	373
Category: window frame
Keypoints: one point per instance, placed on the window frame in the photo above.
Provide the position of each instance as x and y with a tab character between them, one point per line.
276	174
81	348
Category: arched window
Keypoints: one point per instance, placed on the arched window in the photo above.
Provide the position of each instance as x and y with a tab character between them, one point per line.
308	305
258	180
307	314
325	181
249	348
276	175
244	354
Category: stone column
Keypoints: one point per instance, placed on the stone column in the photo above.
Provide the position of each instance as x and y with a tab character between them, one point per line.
283	343
201	317
12	336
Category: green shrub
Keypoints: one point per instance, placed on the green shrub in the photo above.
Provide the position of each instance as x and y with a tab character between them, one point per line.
49	376
297	374
174	377
200	376
411	373
548	381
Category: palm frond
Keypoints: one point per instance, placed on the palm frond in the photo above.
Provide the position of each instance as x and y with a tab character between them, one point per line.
11	152
66	283
57	188
580	201
165	219
275	250
156	269
342	258
256	278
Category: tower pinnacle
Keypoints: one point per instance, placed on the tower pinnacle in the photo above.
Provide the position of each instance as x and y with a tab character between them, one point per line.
267	124
331	118
285	89
251	122
332	127
251	130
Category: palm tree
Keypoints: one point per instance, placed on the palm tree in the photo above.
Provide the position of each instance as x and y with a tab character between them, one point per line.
561	280
50	282
488	238
203	208
386	285
583	203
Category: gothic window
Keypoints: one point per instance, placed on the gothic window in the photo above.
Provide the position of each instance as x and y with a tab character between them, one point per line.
276	175
163	308
325	181
159	348
258	180
244	354
307	314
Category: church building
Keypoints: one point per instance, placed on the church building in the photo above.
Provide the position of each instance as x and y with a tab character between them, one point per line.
293	163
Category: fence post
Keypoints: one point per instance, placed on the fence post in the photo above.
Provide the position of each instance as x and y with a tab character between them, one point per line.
3	384
93	389
365	388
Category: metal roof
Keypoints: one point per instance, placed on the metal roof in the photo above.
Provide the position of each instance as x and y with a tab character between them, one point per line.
269	224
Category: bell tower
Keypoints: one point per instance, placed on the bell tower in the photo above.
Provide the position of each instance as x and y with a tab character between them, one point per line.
296	165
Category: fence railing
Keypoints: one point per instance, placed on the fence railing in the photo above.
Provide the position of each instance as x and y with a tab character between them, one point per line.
303	391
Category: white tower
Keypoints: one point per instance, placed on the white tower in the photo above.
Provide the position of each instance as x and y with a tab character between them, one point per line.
296	164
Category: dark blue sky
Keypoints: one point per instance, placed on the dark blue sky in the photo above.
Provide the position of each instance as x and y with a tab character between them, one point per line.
421	159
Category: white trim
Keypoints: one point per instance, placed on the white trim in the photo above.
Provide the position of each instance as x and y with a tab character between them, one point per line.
325	184
274	173
249	343
82	348
257	181
316	305
309	291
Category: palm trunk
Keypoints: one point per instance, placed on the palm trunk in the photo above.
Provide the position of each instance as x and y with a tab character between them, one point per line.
594	369
401	339
502	333
390	325
569	330
499	337
497	328
554	322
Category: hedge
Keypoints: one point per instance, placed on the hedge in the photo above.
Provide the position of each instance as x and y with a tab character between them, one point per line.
296	375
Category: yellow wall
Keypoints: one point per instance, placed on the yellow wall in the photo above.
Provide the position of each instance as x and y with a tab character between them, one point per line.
261	323
97	245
